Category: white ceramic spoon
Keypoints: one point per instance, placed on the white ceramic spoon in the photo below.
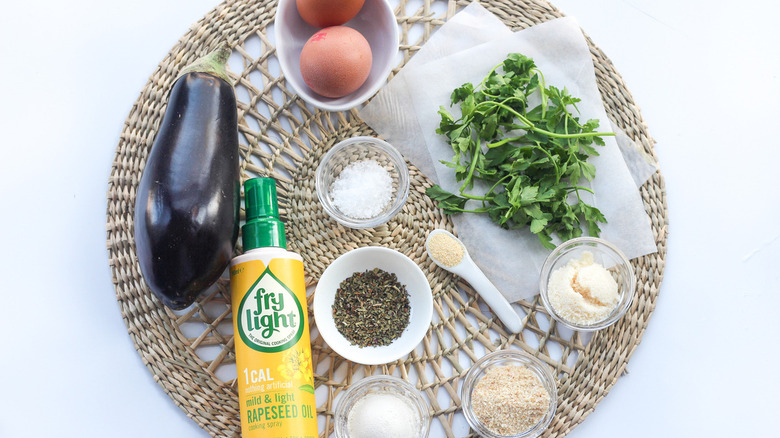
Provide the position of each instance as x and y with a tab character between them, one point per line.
470	272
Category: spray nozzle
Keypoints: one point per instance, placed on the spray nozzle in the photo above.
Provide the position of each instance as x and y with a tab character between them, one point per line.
263	227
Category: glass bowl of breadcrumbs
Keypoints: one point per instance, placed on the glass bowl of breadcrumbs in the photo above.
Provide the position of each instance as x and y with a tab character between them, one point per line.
509	393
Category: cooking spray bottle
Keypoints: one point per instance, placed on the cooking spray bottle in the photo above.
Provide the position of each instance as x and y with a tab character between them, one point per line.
271	325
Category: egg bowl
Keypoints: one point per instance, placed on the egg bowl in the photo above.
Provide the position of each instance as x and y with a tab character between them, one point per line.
377	23
408	274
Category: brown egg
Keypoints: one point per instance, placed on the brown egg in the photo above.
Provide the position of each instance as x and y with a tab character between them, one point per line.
335	61
325	13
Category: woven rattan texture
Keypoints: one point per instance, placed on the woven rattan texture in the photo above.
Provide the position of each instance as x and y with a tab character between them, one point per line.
187	352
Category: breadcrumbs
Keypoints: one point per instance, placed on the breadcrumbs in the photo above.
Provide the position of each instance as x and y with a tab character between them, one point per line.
509	400
445	249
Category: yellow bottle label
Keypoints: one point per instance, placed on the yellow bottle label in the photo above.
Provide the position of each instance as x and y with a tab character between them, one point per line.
273	349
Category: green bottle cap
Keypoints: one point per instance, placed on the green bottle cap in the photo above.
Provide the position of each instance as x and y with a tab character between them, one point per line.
263	227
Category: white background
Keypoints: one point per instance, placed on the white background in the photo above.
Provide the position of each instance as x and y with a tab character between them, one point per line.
704	75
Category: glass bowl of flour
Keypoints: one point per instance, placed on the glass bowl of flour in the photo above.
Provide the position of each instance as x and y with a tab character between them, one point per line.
382	405
362	182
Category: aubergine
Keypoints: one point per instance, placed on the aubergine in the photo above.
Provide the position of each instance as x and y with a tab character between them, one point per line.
187	203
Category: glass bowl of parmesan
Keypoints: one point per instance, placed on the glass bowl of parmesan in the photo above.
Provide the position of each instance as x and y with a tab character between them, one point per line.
362	182
509	393
382	405
587	284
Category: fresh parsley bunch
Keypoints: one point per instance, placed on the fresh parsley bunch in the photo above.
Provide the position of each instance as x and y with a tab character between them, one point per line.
532	157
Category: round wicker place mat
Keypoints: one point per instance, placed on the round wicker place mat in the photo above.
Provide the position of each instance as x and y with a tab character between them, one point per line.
190	353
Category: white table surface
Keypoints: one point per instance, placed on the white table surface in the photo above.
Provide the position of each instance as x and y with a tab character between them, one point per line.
704	75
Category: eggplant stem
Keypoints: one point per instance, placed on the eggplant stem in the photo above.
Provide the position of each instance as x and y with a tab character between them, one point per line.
214	63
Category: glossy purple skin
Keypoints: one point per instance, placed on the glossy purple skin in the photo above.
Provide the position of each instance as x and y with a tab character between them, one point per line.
187	205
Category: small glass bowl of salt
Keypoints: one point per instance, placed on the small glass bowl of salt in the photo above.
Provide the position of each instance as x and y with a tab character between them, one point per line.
362	182
384	406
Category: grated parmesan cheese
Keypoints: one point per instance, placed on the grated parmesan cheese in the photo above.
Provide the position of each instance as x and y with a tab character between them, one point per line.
582	291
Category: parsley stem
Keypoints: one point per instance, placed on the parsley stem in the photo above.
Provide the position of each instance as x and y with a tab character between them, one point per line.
463	210
502	142
578	188
475	197
542	91
532	127
552	160
473	166
508	175
485	79
486	196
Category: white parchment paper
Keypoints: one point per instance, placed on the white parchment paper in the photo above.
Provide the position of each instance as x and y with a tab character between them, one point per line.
464	50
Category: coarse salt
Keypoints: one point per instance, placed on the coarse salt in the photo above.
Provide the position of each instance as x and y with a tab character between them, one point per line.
382	415
362	190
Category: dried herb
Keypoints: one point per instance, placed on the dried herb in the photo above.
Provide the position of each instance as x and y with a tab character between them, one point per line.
371	308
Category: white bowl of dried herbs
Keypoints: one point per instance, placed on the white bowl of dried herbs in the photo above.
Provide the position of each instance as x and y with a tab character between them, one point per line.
373	305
